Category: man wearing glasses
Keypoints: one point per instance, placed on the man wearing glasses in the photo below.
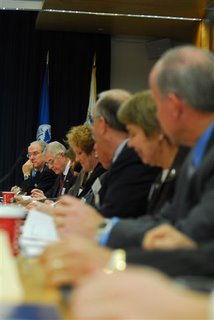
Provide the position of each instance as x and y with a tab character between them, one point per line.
56	159
36	172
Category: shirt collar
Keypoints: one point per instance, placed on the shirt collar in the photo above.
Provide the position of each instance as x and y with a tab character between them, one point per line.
118	150
67	167
199	149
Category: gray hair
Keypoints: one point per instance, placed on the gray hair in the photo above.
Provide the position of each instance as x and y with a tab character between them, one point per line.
41	143
55	148
108	105
188	72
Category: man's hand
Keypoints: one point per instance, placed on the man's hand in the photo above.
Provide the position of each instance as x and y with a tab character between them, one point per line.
38	194
71	260
166	237
27	168
74	216
16	189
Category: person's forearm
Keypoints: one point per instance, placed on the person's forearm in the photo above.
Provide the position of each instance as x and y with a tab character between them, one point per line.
189	305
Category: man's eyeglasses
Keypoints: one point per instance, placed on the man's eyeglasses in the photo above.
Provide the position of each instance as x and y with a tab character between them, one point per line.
33	154
50	162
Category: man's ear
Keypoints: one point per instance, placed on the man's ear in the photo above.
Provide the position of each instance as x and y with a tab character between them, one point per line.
103	125
161	137
175	105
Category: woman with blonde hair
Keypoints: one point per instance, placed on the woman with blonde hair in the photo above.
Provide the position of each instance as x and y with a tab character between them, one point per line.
80	139
138	113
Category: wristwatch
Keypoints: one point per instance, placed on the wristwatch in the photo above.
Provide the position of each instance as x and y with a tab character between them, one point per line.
117	262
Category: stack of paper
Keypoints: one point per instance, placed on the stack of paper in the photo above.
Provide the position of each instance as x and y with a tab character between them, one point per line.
10	285
38	231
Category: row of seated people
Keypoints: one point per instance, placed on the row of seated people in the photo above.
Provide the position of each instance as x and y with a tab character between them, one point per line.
125	174
182	87
153	147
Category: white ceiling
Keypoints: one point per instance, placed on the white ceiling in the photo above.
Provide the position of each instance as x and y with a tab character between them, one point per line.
21	5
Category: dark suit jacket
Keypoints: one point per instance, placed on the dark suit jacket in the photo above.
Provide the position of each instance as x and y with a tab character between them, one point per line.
125	186
86	187
97	172
42	180
162	192
191	211
180	262
68	182
74	190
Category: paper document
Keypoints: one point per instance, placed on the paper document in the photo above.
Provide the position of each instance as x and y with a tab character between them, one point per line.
38	231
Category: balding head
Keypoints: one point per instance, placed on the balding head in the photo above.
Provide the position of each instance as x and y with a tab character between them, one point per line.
108	131
188	72
108	105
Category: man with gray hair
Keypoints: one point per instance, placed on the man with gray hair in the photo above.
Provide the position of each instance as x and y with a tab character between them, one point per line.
123	190
36	173
57	160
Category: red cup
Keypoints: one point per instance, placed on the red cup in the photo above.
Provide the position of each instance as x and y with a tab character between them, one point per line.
8	197
10	218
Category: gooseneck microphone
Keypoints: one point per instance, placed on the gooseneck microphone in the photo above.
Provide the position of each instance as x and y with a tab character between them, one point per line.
18	160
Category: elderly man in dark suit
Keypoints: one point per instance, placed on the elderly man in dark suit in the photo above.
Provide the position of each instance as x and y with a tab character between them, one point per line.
57	160
36	173
124	188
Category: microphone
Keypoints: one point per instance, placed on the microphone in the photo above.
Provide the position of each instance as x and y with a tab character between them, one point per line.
18	160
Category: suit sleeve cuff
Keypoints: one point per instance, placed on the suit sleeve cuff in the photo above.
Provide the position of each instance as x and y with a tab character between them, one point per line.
104	230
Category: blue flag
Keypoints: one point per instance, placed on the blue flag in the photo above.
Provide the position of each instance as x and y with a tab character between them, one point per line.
44	128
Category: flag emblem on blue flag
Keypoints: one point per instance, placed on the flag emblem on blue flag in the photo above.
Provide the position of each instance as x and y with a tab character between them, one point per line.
44	128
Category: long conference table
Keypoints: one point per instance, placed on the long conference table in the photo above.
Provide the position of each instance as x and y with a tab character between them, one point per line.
25	294
23	283
36	290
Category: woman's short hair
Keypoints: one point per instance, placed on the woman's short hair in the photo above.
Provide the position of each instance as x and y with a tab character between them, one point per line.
141	110
82	137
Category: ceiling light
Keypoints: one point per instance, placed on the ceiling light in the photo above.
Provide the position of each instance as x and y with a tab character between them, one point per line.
129	15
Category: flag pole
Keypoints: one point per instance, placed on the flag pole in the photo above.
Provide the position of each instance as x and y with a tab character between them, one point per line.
47	58
93	91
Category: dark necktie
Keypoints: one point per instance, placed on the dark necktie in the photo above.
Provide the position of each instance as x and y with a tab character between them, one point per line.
61	183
